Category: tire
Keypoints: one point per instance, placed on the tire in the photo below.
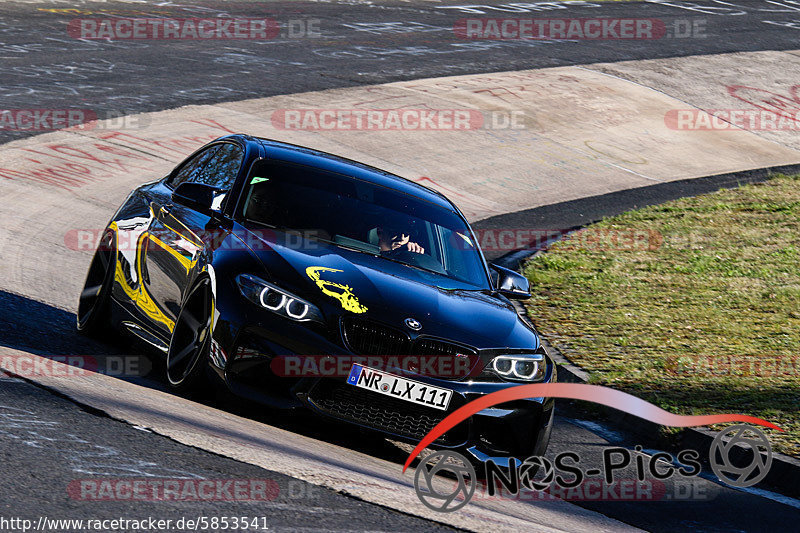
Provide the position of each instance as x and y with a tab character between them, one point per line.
187	357
94	302
543	439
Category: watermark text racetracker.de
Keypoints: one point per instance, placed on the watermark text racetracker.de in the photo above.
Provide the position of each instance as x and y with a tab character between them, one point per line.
263	29
73	366
773	366
78	119
400	119
732	119
173	490
594	239
441	366
605	28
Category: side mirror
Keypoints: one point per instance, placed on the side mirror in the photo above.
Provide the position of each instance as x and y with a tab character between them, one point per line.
511	284
198	196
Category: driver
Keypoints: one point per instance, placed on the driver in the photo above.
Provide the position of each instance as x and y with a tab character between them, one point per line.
392	239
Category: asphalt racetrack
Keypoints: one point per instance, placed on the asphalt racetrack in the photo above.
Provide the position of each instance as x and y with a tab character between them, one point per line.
49	443
355	43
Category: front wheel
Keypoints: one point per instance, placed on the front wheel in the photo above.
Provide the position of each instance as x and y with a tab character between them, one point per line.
95	298
187	357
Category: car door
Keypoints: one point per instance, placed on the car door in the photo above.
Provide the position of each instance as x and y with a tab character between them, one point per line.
178	233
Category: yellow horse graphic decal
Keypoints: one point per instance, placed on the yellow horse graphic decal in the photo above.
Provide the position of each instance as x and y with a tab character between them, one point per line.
343	293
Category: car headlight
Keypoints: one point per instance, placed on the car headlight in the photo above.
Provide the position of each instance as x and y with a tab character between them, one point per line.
277	300
526	367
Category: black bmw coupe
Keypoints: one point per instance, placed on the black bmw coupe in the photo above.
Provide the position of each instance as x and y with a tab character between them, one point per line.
305	280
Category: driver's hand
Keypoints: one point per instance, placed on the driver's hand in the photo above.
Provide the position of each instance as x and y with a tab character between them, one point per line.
404	241
416	248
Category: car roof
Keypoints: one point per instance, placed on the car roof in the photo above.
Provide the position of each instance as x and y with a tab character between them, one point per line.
281	151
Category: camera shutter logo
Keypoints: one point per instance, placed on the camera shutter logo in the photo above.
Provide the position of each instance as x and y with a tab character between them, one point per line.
740	446
535	465
447	500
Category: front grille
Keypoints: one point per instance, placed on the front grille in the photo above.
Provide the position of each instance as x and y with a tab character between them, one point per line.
368	338
365	337
381	412
371	338
426	346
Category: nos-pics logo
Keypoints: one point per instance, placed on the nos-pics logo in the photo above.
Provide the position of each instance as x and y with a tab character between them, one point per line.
445	481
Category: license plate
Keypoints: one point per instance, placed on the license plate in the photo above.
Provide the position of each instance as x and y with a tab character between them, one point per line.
397	387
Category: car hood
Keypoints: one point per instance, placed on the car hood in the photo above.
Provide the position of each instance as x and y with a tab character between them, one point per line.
349	283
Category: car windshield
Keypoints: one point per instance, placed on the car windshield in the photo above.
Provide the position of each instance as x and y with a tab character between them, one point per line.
362	216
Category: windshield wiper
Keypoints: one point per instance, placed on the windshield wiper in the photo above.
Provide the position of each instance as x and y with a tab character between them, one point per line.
271	226
412	266
340	245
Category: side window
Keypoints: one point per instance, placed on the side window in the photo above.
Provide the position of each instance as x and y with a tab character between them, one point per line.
192	166
217	166
221	169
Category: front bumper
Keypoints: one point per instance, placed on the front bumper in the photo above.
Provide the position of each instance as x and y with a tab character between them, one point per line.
247	339
514	429
517	429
